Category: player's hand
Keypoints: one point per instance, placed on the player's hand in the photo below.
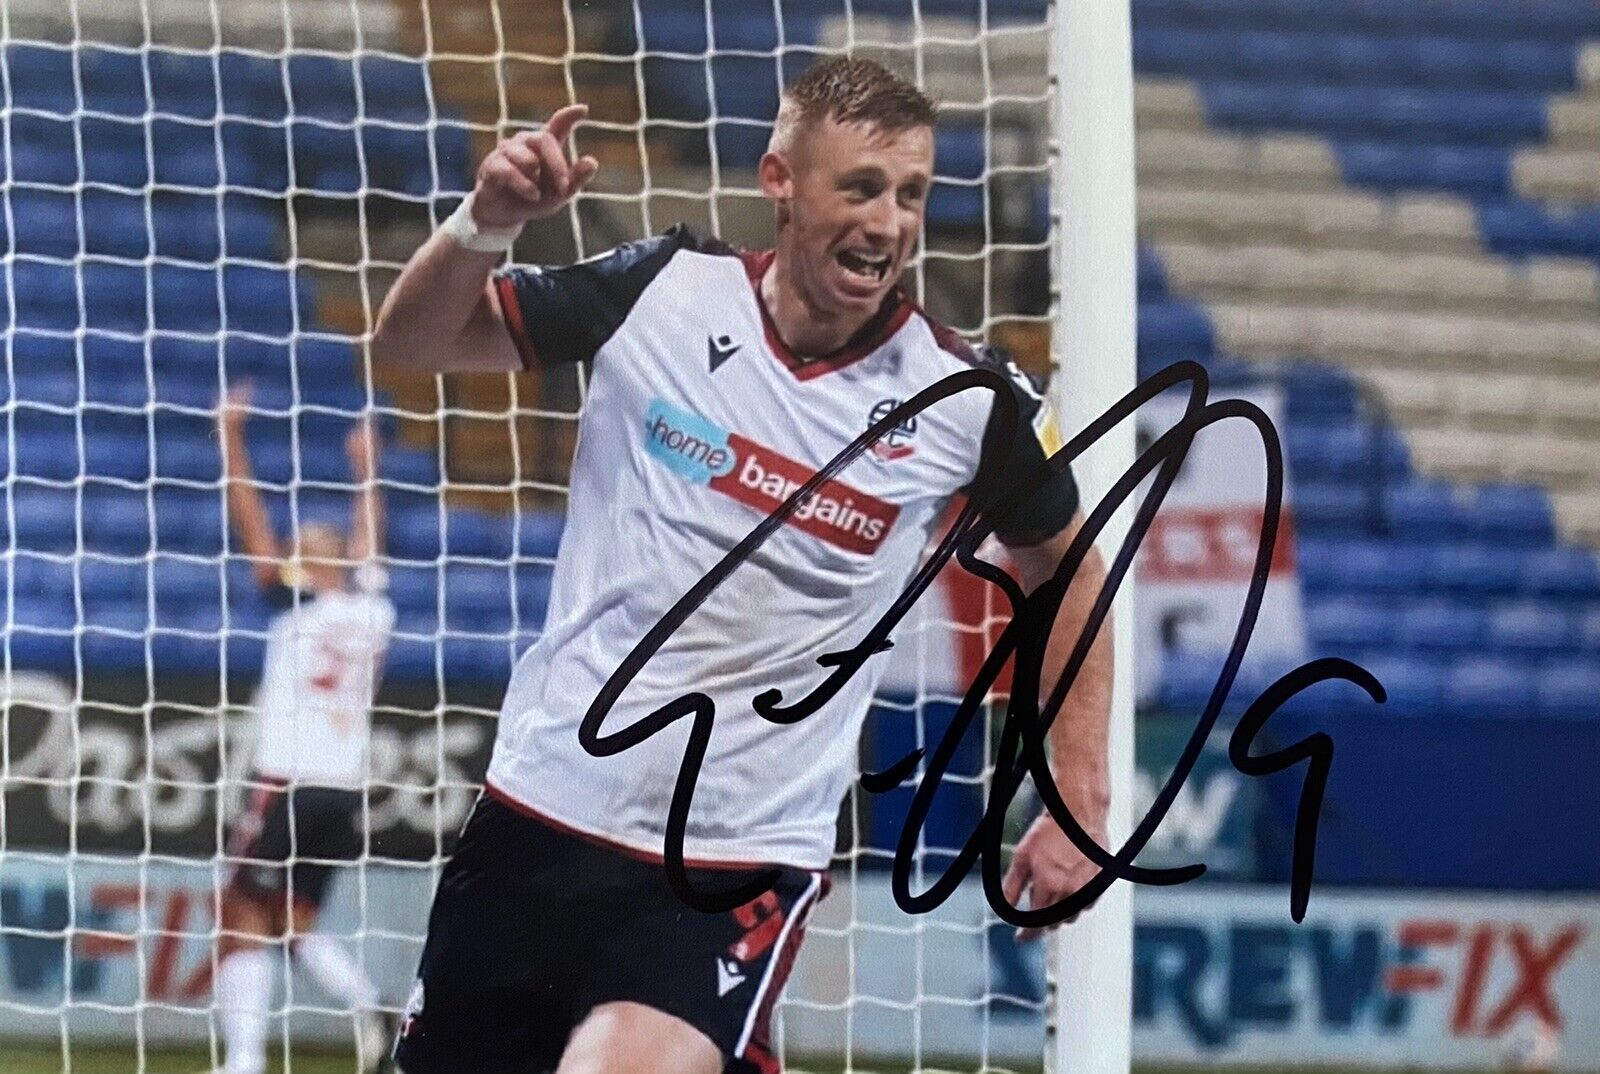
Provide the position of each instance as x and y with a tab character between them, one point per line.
527	176
1049	867
234	408
361	447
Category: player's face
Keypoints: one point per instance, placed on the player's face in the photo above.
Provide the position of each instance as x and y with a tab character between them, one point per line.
856	210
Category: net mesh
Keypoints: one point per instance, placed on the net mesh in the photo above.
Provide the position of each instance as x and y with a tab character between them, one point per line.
200	195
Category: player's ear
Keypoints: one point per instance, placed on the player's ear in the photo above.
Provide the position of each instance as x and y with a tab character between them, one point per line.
776	175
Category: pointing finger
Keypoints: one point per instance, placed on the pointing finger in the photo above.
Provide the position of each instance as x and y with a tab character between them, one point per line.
561	124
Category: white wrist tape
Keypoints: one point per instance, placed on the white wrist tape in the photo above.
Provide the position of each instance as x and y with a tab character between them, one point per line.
461	227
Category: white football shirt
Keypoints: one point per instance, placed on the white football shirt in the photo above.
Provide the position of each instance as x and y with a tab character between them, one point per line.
699	423
325	654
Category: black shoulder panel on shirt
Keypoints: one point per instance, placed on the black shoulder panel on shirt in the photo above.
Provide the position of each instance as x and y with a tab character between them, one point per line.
1032	501
566	314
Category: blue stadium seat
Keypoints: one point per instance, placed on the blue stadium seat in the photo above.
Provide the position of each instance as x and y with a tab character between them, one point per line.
1587	630
188	521
124	456
1348	565
1532	627
1325	394
1569	690
1514	513
1345	451
44	222
1328	507
1477	172
477	600
477	534
112	582
46	519
186	298
533	581
415	534
252	85
326	157
539	534
1174	331
1471	568
46	444
183	83
393	88
1441	626
1560	572
1341	624
185	584
40	77
1480	686
409	466
322	87
1415	684
115	295
117	522
1152	276
1426	510
56	387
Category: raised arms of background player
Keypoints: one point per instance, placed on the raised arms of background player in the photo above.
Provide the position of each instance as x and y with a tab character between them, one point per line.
442	315
248	513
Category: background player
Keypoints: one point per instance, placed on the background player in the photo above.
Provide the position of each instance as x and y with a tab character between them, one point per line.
721	380
324	657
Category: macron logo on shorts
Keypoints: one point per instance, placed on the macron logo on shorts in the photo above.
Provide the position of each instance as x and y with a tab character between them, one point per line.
699	451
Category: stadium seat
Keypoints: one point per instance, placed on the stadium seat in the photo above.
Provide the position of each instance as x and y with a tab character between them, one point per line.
1330	507
1471	568
1342	624
409	466
1560	572
117	522
1414	684
1174	331
1516	513
1479	686
539	534
477	535
1426	510
1532	627
1441	626
46	519
1569	690
415	534
477	600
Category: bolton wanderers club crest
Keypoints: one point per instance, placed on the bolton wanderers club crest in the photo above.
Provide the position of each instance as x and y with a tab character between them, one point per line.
896	443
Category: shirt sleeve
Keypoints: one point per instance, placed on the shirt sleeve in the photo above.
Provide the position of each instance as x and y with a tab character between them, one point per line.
566	314
1031	500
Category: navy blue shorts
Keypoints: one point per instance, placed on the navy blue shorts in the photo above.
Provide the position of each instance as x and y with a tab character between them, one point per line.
534	925
289	841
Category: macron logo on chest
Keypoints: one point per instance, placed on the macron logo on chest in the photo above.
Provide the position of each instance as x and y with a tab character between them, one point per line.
700	451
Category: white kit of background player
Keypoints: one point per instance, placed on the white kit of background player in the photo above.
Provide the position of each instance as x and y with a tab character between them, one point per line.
721	381
303	809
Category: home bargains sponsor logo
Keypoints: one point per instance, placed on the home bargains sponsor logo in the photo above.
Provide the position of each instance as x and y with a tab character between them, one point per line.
700	451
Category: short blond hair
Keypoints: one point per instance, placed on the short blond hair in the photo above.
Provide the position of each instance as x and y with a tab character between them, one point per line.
849	90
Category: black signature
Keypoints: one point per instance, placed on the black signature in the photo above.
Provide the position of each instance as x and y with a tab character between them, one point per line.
1021	751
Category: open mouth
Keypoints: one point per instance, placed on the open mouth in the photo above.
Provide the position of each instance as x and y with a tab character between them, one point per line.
867	266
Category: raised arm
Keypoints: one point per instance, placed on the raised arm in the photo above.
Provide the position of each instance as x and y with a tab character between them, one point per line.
366	506
441	315
246	511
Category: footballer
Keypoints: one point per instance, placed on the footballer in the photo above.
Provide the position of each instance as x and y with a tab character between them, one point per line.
721	381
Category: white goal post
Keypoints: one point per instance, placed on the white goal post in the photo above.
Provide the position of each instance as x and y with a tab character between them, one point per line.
1096	308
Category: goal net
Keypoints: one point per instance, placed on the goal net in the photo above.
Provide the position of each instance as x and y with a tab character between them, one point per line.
201	194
